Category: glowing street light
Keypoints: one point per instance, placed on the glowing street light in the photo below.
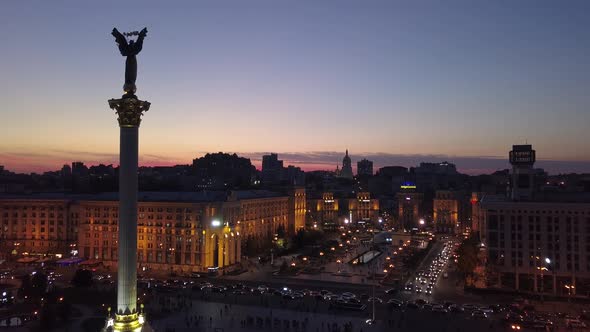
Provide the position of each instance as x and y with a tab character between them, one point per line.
547	260
215	223
422	222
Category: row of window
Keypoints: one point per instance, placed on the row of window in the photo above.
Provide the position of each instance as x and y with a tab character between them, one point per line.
33	207
526	212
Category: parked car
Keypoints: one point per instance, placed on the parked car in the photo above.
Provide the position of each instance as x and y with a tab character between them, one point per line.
391	291
479	314
456	308
439	309
395	304
575	323
469	307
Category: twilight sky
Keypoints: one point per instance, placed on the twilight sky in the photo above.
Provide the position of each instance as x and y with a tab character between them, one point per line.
399	82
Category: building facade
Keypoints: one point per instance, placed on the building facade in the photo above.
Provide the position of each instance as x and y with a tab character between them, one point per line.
177	232
363	208
409	209
446	211
47	225
330	212
298	208
537	246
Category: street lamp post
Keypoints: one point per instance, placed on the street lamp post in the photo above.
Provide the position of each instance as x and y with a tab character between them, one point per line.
271	257
570	289
547	261
374	266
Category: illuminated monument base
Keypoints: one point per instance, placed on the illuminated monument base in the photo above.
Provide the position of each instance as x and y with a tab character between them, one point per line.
127	323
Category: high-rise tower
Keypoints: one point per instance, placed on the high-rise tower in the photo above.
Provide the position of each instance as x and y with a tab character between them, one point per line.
522	158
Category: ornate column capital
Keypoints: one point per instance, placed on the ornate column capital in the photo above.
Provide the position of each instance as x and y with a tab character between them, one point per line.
129	111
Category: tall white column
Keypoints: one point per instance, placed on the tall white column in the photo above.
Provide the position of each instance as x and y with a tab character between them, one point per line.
127	316
127	272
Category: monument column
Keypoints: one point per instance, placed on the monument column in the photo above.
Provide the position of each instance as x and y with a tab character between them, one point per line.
129	110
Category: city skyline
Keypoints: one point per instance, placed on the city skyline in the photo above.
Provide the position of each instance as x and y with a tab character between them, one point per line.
328	160
387	81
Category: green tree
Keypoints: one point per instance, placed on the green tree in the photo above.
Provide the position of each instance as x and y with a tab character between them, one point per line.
34	286
39	283
249	247
298	239
82	278
467	260
281	232
307	237
25	287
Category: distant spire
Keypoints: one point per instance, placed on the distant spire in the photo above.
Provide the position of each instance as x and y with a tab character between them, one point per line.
347	152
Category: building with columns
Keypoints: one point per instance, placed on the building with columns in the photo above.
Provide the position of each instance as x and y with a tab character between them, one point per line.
330	212
363	208
297	208
446	207
176	231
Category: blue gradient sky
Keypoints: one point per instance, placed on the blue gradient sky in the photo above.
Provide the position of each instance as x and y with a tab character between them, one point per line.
454	79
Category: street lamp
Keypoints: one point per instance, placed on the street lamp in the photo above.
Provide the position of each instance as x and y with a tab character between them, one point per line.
543	269
570	289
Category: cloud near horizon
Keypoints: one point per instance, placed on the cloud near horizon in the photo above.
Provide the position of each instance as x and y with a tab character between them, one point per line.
26	161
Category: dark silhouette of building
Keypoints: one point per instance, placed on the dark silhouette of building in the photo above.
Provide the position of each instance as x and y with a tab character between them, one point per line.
272	169
222	171
274	173
79	169
522	159
364	168
346	171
